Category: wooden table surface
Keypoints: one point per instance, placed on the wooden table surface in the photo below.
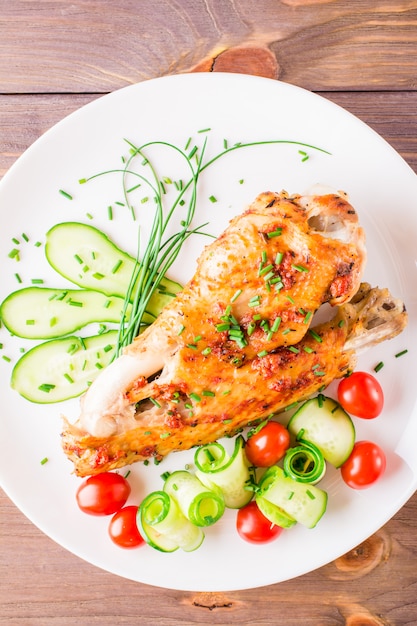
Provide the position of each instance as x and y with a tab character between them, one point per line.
56	56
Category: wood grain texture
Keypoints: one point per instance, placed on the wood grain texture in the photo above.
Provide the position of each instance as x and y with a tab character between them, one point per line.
56	56
50	46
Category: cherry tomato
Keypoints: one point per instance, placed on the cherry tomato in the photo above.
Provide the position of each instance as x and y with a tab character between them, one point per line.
364	466
253	526
103	494
123	529
361	394
268	445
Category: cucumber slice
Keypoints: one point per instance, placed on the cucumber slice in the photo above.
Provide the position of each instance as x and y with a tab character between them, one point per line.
230	474
62	368
323	422
44	313
202	506
164	527
304	502
274	513
88	258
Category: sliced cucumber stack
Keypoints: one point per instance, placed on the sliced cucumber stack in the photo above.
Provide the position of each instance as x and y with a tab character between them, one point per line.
164	527
216	469
322	422
202	506
303	502
62	368
44	313
88	258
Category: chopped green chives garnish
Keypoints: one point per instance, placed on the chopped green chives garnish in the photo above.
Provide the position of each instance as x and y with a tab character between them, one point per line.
107	304
299	268
276	324
222	327
30	322
144	200
37	244
110	212
308	317
294	349
98	275
165	435
14	254
192	152
44	460
25	237
265	269
207	392
73	348
65	194
290	299
155	402
241	181
378	366
46	387
181	330
204	130
310	494
52	321
195	397
19	280
401	353
315	335
6	358
98	366
75	303
254	301
341	323
263	353
308	349
147	432
37	281
192	346
15	241
68	377
133	188
213	199
274	233
278	258
236	295
319	373
206	351
251	328
197	338
117	266
108	348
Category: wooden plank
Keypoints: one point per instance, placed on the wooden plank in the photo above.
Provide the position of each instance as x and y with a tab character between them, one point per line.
23	118
88	46
43	585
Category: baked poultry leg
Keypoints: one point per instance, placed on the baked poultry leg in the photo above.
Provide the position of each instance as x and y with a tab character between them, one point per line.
196	406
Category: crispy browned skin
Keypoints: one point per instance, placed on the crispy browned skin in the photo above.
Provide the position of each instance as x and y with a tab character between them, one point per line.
236	397
263	278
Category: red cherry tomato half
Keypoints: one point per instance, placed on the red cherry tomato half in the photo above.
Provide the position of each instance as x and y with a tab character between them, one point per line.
253	526
361	394
123	529
366	463
268	445
103	494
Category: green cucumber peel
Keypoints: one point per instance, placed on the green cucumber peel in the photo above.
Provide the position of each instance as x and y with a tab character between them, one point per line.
61	369
324	423
304	463
47	313
230	474
163	525
201	505
305	502
88	258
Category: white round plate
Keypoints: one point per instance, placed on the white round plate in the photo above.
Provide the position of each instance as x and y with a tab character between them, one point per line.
235	108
